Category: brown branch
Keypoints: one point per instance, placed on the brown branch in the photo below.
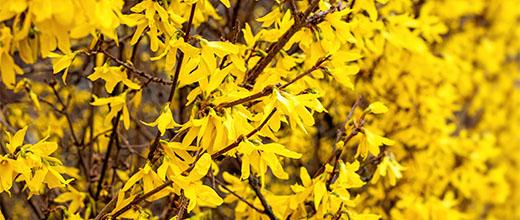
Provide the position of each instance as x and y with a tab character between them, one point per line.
182	205
269	89
79	145
338	213
337	154
181	54
294	9
94	137
274	48
140	198
155	144
131	147
266	91
253	182
340	133
349	116
242	137
234	16
316	66
133	69
239	197
104	167
187	29
301	20
113	138
105	209
67	116
36	209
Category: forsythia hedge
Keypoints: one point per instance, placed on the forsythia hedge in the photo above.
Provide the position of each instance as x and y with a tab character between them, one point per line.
248	109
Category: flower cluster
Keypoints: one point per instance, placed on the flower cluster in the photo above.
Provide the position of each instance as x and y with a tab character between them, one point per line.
287	109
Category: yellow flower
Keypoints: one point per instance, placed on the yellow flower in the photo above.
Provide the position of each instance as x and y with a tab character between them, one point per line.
112	76
388	167
377	108
16	140
370	143
150	180
7	173
194	189
117	103
8	68
62	62
260	156
164	121
74	197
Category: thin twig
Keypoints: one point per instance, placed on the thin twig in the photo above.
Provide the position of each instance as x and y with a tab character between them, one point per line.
133	69
67	116
274	48
294	10
239	197
113	136
338	213
182	205
253	182
264	92
181	54
269	89
242	137
339	135
105	209
140	198
94	137
316	66
187	29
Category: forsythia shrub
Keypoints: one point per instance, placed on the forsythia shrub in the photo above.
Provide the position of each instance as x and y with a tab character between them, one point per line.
248	109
